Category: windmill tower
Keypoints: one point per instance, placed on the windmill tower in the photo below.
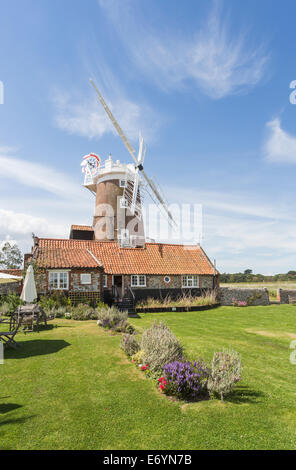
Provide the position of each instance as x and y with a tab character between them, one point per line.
112	183
119	190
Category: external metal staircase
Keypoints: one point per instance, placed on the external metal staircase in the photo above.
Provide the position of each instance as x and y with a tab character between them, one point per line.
127	303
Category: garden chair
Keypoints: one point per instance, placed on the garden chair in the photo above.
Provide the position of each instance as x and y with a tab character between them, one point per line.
7	337
27	322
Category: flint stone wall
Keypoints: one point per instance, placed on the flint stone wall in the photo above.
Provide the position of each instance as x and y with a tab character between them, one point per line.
9	287
256	296
283	295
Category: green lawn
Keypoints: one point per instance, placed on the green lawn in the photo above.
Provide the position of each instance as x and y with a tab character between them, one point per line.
71	387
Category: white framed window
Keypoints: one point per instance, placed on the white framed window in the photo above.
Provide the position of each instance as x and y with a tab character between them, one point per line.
167	279
138	280
190	281
105	280
59	280
85	278
122	183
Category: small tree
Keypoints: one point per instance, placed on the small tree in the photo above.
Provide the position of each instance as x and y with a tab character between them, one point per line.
248	271
10	256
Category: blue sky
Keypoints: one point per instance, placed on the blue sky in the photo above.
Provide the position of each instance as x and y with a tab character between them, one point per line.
206	82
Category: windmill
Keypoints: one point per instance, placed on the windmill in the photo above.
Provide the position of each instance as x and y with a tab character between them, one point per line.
151	187
127	183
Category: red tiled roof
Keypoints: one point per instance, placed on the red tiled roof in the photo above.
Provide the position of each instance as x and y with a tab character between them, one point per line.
63	257
85	228
155	258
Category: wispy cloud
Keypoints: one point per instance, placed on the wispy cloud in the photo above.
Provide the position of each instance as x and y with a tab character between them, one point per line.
87	118
34	175
242	230
212	59
237	203
280	146
21	213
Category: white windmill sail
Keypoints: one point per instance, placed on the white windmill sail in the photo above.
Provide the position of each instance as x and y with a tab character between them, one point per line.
153	190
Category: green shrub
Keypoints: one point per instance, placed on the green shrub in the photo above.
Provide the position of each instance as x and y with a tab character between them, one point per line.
225	373
185	300
59	312
83	312
57	305
114	319
138	357
11	302
111	317
160	347
129	329
5	309
53	301
100	305
47	304
129	344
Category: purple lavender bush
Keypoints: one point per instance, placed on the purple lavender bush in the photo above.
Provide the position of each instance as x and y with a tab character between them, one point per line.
186	380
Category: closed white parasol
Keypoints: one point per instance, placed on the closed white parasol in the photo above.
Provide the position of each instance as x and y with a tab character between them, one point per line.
29	293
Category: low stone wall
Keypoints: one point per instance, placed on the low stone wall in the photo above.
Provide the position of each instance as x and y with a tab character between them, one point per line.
9	287
252	296
283	295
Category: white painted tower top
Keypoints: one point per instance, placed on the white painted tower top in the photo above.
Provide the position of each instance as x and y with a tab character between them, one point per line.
103	171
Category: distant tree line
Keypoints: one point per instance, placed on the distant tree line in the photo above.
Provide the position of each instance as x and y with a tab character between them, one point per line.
248	276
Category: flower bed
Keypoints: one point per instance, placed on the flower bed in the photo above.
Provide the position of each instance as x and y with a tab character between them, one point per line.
160	356
115	320
184	302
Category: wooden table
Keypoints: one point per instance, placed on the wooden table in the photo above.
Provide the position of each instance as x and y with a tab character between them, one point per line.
27	315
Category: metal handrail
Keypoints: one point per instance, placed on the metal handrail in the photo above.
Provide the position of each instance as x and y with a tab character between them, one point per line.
131	291
115	292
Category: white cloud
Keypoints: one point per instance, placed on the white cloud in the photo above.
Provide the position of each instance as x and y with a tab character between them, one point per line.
87	118
239	203
21	213
16	223
280	146
242	230
19	227
36	175
216	62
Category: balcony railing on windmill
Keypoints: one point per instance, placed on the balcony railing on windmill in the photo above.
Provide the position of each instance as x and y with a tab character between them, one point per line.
90	175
